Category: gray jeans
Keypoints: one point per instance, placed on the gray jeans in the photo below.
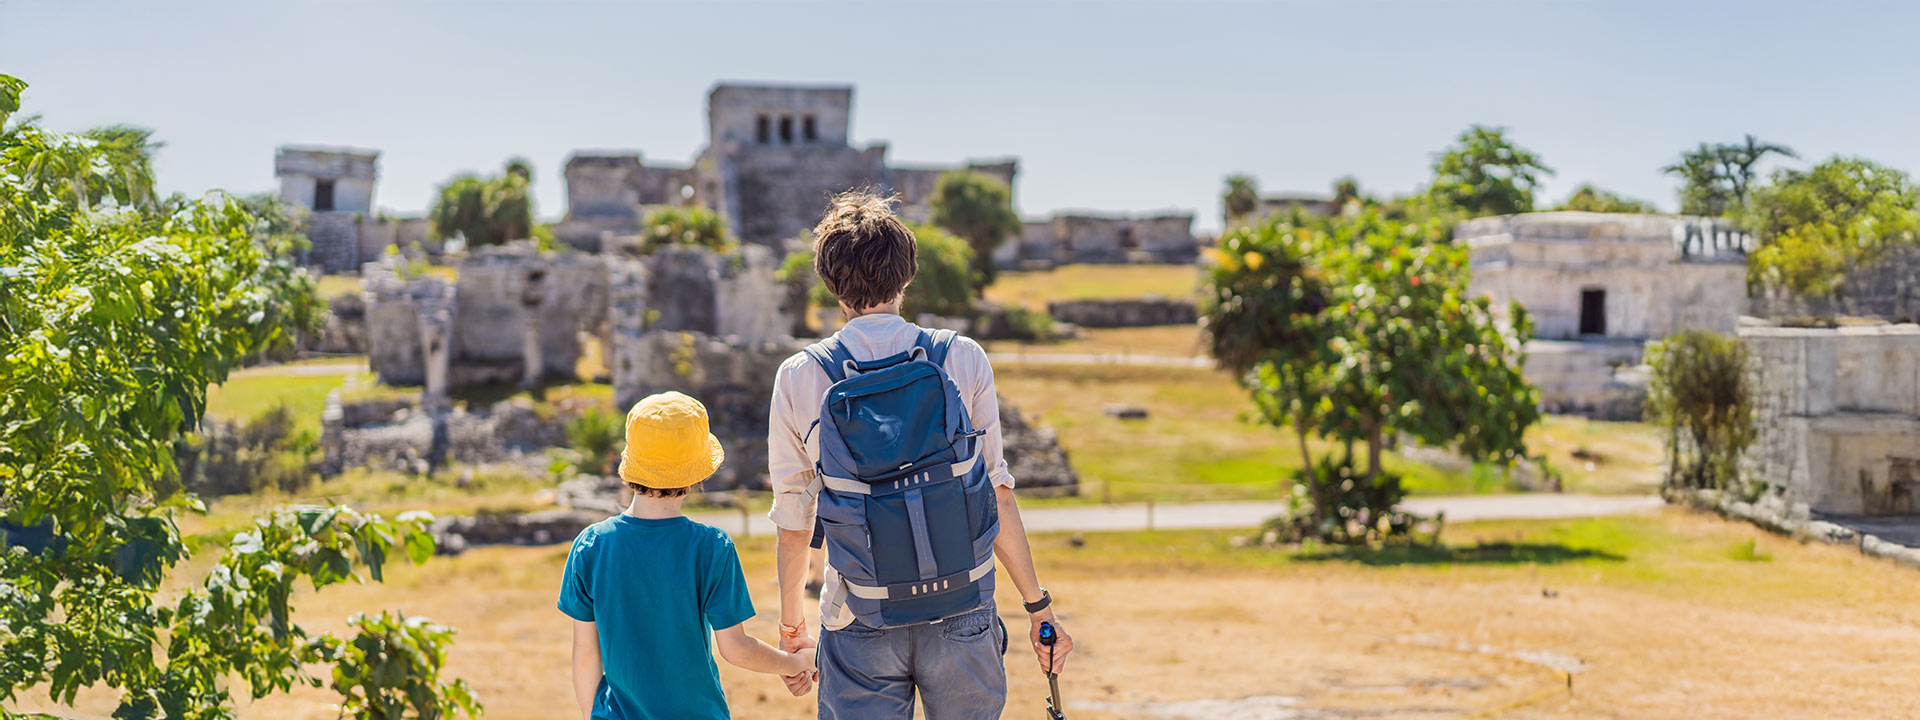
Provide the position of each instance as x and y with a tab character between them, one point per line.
958	666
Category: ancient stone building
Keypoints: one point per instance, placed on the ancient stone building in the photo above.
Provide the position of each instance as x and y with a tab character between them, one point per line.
335	188
1837	416
1070	238
1597	287
774	154
1283	203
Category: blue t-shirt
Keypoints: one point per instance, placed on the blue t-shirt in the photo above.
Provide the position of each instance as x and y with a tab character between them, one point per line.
655	590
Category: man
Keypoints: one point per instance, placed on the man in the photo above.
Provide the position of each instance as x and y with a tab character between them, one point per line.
866	257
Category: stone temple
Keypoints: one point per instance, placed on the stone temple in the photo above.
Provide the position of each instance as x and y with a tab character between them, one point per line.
334	186
774	154
1598	286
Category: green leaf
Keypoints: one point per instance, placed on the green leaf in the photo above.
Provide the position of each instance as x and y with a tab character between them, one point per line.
419	546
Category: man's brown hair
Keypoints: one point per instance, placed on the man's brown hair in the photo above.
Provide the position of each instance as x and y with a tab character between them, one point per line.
862	251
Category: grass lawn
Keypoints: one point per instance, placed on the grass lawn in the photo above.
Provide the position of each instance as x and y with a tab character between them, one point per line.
1182	341
302	387
1197	445
1087	282
1664	615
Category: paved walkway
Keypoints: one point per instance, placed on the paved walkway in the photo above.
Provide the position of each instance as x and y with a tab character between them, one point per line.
1533	506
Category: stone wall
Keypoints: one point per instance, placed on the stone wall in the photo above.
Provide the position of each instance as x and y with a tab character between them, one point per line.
773	192
346	330
520	313
733	379
1597	379
1080	238
1837	412
1887	289
343	240
409	323
1548	262
1034	457
1137	312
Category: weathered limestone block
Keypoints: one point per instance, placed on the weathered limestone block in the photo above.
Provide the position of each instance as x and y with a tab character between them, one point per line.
1034	457
346	329
1837	415
733	379
397	348
1137	312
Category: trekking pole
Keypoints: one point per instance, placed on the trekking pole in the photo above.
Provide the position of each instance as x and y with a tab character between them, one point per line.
1047	638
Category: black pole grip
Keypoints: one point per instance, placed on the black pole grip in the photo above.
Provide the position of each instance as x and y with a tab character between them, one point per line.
1047	636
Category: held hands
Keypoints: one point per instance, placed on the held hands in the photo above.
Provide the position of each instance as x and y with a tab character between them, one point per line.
1062	644
802	647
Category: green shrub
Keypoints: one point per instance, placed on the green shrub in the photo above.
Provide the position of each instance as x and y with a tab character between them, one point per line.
1338	505
1030	325
596	433
1699	394
227	458
692	226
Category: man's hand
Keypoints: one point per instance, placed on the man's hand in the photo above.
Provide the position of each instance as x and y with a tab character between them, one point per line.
802	683
1062	643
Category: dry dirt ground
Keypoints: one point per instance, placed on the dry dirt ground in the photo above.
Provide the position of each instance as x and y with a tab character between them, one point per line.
1665	615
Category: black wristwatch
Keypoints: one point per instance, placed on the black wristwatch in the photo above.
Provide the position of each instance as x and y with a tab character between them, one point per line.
1045	600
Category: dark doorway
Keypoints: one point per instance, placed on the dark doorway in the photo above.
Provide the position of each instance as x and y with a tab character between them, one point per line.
810	129
762	129
786	129
322	195
1593	311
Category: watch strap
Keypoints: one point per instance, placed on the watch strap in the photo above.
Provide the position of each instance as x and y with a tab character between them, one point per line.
1046	599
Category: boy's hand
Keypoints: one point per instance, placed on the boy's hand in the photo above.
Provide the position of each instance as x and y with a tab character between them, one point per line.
800	683
1062	644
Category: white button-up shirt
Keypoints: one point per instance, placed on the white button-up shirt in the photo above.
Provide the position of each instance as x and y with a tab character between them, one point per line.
800	385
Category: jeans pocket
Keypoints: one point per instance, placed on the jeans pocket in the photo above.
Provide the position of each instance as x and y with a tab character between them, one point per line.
968	627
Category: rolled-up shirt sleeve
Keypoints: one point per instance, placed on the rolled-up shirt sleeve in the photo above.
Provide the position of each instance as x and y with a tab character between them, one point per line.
789	466
974	375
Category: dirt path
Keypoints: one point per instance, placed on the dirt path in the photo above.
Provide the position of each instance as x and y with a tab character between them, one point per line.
1191	516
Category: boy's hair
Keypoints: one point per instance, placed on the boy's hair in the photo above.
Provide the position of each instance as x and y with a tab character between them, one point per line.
654	492
862	251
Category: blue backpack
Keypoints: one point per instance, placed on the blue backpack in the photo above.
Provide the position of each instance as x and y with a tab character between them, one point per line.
906	512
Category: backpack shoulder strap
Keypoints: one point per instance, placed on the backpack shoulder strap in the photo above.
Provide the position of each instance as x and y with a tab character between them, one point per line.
831	356
936	343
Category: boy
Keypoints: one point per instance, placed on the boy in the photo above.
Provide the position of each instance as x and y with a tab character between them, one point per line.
646	586
956	666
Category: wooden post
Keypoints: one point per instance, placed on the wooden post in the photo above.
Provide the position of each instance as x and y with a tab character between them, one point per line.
740	501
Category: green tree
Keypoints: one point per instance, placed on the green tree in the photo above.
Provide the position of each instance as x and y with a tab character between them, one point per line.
1240	199
1813	225
1361	333
1717	178
944	282
978	208
1346	191
1699	394
116	320
1592	199
684	225
1484	173
486	211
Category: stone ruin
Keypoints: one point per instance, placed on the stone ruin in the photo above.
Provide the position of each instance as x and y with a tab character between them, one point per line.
1132	312
334	186
1071	238
715	326
1837	415
1598	287
774	154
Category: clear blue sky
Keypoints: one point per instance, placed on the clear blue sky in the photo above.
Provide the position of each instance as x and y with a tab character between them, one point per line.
1129	107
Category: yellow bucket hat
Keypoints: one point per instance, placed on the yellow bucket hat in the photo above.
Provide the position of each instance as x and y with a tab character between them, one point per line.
668	444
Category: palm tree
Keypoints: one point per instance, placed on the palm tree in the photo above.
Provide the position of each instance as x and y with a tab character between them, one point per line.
1744	156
